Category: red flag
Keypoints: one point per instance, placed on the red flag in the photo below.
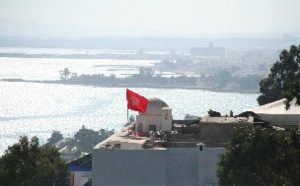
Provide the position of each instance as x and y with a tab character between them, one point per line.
136	102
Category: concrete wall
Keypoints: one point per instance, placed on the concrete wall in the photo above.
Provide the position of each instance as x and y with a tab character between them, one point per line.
129	167
173	166
207	165
182	166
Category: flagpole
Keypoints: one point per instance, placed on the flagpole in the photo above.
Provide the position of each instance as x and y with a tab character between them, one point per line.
127	104
127	123
127	112
127	115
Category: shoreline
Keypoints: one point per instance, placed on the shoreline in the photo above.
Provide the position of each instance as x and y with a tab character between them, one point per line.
62	82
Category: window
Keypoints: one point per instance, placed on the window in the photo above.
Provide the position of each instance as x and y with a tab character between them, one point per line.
152	128
117	146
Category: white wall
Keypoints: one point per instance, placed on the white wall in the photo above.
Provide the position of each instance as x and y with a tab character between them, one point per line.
207	165
173	166
162	122
147	120
129	167
166	119
182	166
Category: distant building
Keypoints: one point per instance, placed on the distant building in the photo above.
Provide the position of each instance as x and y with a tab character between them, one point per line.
209	51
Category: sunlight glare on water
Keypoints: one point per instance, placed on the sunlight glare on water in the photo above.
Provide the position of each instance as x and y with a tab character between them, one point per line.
36	109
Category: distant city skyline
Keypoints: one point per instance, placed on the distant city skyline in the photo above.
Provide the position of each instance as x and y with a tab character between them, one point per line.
172	18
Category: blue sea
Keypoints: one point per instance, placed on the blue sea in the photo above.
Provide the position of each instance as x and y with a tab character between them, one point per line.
36	109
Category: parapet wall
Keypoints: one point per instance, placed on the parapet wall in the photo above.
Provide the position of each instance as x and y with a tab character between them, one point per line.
212	134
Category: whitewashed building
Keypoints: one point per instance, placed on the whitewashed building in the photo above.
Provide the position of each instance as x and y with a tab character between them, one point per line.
122	159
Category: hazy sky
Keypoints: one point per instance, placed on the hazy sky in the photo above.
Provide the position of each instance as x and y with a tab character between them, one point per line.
162	17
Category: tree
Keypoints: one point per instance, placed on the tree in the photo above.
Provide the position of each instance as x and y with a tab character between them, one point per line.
64	74
284	79
260	156
86	139
25	163
52	167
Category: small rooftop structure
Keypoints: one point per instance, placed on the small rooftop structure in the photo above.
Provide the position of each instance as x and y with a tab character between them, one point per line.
158	116
155	106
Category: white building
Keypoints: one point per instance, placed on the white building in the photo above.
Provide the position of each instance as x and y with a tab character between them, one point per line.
122	159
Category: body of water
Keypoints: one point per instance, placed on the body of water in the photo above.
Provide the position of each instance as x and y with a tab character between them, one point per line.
35	109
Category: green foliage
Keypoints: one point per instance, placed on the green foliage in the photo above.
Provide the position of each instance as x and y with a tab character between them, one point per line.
260	156
284	79
25	163
86	139
55	137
